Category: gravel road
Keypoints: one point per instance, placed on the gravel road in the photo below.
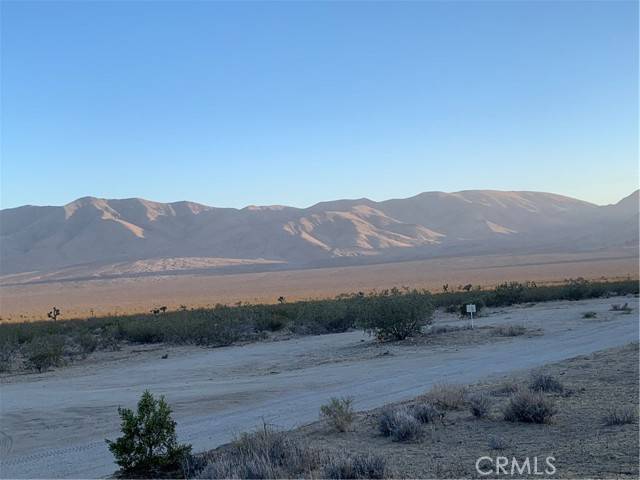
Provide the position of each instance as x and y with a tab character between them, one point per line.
53	425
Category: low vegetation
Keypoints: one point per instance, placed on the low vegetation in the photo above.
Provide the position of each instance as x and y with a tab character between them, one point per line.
399	424
447	397
479	405
266	453
529	407
418	443
425	412
271	453
339	413
360	466
390	315
545	383
620	416
510	330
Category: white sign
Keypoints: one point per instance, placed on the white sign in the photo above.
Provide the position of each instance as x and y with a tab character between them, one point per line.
471	308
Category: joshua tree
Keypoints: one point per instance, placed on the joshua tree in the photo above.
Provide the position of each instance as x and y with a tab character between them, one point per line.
467	287
54	313
281	300
445	287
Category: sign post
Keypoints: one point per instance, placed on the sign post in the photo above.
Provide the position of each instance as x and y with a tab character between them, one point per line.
471	309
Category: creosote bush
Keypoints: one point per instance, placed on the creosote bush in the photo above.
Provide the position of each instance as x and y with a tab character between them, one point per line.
529	407
45	352
339	413
395	314
148	444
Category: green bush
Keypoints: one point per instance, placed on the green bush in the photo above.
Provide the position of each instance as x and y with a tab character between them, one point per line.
148	444
87	343
45	352
396	315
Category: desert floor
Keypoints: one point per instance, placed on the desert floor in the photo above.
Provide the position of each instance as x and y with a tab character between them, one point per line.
139	294
54	424
579	440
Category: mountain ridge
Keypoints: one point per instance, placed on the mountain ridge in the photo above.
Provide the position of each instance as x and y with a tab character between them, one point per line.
107	232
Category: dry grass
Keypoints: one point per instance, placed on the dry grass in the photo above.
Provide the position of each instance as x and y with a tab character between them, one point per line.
479	405
621	416
541	382
339	413
510	330
447	396
360	466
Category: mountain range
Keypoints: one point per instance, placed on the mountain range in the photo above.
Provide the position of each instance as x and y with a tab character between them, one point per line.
100	237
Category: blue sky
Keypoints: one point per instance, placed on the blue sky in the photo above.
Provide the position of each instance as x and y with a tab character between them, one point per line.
232	104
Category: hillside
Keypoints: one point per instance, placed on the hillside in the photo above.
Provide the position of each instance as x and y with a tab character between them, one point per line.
94	237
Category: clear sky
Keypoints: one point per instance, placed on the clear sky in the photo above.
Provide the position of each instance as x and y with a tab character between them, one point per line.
232	104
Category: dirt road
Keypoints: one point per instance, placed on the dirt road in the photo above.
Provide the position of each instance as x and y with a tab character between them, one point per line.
54	424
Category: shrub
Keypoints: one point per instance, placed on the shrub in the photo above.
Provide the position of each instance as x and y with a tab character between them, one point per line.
8	352
87	343
589	315
479	405
507	293
339	412
148	444
507	388
359	466
510	330
529	407
545	383
427	413
399	424
620	416
394	315
497	443
45	352
447	397
266	453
